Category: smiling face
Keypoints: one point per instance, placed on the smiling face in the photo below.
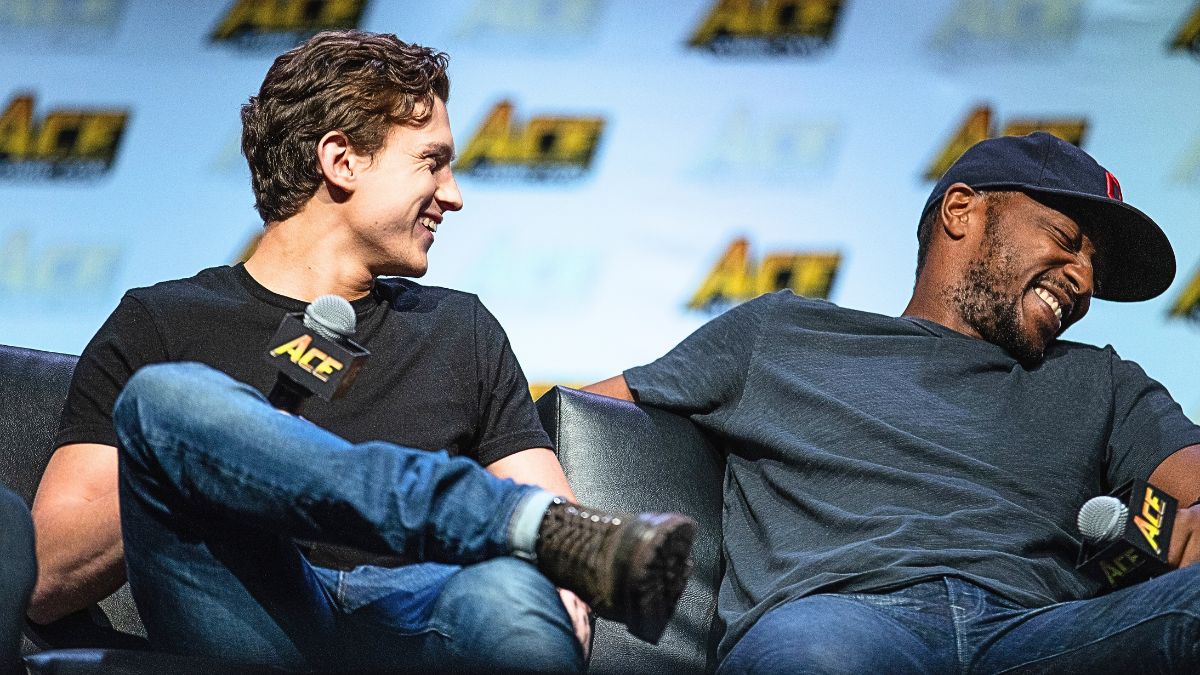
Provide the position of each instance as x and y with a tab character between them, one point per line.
1030	278
401	196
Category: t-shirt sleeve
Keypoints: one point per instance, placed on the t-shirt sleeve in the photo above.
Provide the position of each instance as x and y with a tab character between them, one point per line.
707	370
127	341
510	422
1148	425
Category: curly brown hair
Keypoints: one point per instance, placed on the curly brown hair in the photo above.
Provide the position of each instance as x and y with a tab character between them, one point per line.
356	82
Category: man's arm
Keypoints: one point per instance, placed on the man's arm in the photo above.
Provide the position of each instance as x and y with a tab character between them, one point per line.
77	528
615	387
1179	476
535	466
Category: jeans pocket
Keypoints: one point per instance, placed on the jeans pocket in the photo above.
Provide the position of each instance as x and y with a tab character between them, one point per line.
401	598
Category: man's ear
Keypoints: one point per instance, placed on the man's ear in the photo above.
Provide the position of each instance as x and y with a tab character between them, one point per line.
960	205
338	162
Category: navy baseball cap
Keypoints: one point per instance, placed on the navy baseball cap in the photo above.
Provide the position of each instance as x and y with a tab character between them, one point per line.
1134	259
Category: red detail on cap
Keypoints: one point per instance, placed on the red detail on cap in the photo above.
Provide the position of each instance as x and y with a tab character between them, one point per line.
1114	188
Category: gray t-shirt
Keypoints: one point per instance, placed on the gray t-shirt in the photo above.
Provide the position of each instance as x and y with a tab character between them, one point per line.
868	452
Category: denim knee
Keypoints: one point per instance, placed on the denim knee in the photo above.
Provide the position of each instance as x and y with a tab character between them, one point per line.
170	383
181	393
1181	602
505	614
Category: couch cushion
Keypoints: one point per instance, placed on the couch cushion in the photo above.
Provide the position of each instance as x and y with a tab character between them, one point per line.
625	457
33	386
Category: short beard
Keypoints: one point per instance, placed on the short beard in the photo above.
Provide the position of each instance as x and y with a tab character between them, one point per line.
987	308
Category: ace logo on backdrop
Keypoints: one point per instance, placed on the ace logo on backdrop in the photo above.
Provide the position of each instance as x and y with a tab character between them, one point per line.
540	26
1187	303
736	278
1187	38
547	148
274	25
65	144
768	27
989	30
978	126
43	276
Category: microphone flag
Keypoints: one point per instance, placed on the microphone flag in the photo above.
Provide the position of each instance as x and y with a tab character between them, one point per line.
310	363
1136	549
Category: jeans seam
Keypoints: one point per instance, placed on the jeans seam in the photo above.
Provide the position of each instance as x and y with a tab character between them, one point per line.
1173	612
961	648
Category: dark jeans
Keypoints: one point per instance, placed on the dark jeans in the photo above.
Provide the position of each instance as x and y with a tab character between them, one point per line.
17	574
952	626
214	486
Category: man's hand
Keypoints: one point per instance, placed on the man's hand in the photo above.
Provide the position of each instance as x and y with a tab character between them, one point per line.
1176	475
581	618
1185	538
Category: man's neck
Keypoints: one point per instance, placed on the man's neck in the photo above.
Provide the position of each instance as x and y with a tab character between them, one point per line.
304	258
938	310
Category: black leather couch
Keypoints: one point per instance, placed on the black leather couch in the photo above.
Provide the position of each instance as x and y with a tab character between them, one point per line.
625	457
108	637
617	455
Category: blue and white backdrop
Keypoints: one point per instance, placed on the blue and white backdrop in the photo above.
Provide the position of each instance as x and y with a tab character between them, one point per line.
629	167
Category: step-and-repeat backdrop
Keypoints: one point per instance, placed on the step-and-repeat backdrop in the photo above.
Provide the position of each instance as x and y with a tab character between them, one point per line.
630	168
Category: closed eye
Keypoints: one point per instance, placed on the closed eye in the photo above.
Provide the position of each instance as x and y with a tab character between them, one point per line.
1070	242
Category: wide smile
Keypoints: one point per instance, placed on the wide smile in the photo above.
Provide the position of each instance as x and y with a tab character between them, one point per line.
1050	300
1058	305
428	223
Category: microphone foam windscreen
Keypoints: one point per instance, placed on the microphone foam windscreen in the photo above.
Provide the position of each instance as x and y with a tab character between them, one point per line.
330	316
1102	519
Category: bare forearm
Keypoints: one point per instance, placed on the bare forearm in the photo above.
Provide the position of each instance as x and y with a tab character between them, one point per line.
80	556
615	386
536	466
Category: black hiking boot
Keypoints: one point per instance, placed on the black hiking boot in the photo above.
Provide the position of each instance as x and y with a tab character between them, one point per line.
629	568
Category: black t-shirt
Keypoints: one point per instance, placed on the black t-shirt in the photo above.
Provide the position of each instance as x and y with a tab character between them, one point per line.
867	452
441	374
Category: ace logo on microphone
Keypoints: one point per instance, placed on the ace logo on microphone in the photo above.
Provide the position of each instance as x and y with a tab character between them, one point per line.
1151	521
1138	550
323	366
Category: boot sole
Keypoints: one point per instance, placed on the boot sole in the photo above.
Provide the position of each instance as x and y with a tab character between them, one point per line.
659	566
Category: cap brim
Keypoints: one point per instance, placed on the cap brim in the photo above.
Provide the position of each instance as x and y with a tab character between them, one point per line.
1134	258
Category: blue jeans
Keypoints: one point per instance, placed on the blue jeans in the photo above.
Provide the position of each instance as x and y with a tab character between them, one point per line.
952	626
215	485
17	575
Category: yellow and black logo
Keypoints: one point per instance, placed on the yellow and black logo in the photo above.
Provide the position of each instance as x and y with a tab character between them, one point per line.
302	353
1187	304
1150	521
1120	565
547	148
978	126
1187	38
272	25
68	143
768	27
735	278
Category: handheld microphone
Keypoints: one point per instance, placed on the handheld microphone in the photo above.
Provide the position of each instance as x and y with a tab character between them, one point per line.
1126	534
313	353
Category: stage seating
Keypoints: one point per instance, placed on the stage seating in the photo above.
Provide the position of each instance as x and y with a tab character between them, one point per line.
106	638
627	457
618	456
